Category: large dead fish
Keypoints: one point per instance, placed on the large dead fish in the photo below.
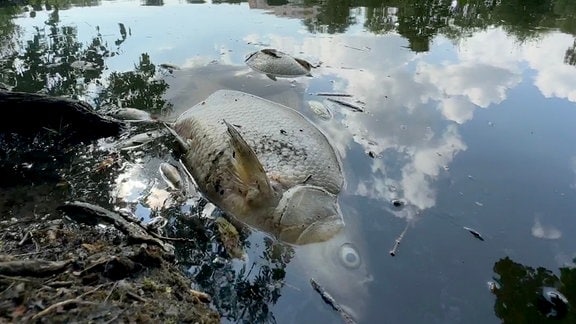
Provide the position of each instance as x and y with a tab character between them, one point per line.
264	164
274	64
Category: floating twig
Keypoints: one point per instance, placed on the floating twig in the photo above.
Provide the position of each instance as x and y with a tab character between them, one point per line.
358	49
330	94
346	104
348	319
474	232
398	240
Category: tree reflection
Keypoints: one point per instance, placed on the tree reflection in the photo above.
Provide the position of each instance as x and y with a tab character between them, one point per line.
138	88
519	292
570	56
333	17
53	61
420	21
240	293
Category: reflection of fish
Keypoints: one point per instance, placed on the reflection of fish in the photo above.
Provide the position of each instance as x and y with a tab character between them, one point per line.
265	164
274	64
339	266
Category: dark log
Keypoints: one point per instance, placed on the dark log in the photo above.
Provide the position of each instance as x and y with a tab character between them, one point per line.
29	113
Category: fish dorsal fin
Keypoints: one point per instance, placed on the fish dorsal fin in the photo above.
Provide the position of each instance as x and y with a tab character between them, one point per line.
272	52
271	77
304	64
247	170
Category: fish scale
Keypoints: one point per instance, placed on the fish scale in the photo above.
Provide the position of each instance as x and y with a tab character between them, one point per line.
285	142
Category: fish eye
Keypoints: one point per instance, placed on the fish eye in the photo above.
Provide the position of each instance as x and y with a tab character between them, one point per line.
349	256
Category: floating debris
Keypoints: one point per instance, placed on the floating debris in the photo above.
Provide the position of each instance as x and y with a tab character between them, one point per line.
138	140
478	203
130	114
474	232
371	154
398	203
346	317
346	104
398	241
552	303
363	49
493	286
320	109
330	94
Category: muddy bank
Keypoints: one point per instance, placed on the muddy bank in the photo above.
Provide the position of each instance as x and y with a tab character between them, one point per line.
54	269
58	268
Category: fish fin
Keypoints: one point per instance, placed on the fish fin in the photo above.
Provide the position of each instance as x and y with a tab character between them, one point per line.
247	170
304	64
181	141
250	56
273	78
270	51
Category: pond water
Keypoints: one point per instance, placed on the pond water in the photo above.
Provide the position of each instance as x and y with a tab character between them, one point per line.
468	121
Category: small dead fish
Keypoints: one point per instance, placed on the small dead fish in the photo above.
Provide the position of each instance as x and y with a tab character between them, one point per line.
474	232
130	114
274	64
171	175
320	109
138	140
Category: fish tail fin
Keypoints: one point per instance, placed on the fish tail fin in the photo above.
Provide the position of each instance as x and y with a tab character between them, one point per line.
247	170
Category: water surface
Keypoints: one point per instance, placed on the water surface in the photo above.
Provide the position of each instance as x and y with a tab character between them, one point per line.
469	110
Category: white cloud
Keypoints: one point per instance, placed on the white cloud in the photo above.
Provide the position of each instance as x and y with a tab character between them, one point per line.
545	231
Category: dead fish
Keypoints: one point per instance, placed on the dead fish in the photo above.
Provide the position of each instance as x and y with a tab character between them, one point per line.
474	232
274	64
171	175
139	140
320	109
130	114
259	174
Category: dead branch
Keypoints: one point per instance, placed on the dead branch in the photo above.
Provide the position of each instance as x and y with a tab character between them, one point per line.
91	214
32	268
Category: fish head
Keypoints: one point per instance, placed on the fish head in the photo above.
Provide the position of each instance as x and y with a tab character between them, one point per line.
307	214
